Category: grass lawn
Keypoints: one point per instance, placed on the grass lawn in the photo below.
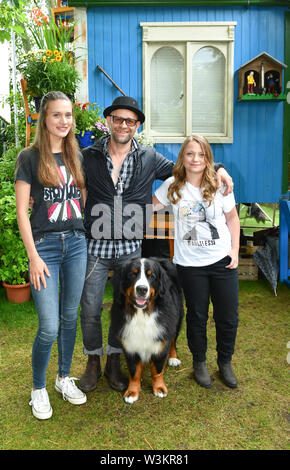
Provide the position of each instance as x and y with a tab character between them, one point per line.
255	416
246	220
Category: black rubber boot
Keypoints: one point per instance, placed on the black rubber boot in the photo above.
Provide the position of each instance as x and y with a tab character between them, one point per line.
227	375
89	379
201	374
117	380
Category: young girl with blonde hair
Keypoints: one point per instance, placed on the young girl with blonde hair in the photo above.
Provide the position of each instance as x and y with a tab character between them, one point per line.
206	250
50	172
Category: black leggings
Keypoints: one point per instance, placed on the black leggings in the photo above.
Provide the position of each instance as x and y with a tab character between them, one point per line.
221	285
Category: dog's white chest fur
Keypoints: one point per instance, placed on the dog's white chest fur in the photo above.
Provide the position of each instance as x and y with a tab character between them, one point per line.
140	334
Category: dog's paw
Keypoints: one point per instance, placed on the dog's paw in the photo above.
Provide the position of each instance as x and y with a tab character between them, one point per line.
174	362
131	399
160	394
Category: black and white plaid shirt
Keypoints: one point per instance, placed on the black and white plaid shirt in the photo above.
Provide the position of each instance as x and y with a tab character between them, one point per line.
117	248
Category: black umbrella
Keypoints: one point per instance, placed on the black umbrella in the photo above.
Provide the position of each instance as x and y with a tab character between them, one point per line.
266	259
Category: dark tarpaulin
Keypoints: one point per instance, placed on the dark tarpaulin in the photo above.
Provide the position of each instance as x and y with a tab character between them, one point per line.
267	260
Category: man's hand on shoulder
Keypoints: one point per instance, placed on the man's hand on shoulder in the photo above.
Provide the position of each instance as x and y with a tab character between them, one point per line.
223	177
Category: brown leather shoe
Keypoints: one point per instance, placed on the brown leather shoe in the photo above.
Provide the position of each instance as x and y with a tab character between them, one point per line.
117	380
92	373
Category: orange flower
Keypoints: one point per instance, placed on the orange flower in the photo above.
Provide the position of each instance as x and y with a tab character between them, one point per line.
36	11
38	23
38	17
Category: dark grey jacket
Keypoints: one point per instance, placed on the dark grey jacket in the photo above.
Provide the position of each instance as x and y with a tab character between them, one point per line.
149	166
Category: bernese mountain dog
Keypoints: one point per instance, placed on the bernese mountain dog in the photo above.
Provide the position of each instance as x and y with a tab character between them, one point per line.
146	316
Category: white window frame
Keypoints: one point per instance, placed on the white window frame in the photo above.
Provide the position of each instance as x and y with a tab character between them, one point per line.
189	37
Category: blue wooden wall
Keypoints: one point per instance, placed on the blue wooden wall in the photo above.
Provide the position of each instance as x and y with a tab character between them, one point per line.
255	158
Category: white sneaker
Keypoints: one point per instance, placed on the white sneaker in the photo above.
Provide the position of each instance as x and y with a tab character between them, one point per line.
40	404
70	391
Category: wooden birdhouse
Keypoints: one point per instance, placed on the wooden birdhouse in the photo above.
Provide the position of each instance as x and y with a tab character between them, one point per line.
261	79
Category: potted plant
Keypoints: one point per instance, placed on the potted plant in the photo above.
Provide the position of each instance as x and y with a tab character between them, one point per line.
89	124
50	65
13	257
48	70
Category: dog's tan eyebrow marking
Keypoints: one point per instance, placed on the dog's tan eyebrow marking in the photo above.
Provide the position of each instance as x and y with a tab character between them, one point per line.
149	272
135	270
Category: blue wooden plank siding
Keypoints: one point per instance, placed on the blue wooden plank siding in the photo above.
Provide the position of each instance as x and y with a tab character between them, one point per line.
255	158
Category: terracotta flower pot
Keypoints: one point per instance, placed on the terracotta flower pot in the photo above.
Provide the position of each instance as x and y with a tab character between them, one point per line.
17	293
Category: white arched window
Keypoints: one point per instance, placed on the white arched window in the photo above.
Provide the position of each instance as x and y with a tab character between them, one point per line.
167	87
208	91
188	80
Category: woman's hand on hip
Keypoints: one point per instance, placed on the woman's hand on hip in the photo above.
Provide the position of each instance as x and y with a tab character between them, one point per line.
38	269
234	255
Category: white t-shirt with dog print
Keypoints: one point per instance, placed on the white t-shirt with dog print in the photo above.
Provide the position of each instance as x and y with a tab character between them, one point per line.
202	236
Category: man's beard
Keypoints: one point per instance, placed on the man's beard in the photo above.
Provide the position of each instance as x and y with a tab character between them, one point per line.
121	140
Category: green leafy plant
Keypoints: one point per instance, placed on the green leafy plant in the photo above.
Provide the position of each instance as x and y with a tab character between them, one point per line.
9	130
49	35
87	117
50	65
12	18
13	257
47	70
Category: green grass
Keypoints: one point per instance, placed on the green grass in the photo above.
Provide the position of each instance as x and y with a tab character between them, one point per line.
246	220
254	416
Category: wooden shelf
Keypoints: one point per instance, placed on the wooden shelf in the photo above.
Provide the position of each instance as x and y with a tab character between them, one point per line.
62	3
269	98
64	15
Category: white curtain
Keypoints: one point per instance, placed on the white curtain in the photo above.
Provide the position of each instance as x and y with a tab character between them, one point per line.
167	91
208	91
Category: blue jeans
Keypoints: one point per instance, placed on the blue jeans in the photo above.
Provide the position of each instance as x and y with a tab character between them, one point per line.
65	254
92	302
221	285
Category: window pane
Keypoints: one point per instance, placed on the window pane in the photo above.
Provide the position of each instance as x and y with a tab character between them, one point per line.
208	88
166	100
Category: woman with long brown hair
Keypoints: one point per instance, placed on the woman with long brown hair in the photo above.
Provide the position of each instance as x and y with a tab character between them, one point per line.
50	172
206	250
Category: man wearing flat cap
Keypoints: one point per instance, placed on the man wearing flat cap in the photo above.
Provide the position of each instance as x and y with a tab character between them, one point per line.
119	175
